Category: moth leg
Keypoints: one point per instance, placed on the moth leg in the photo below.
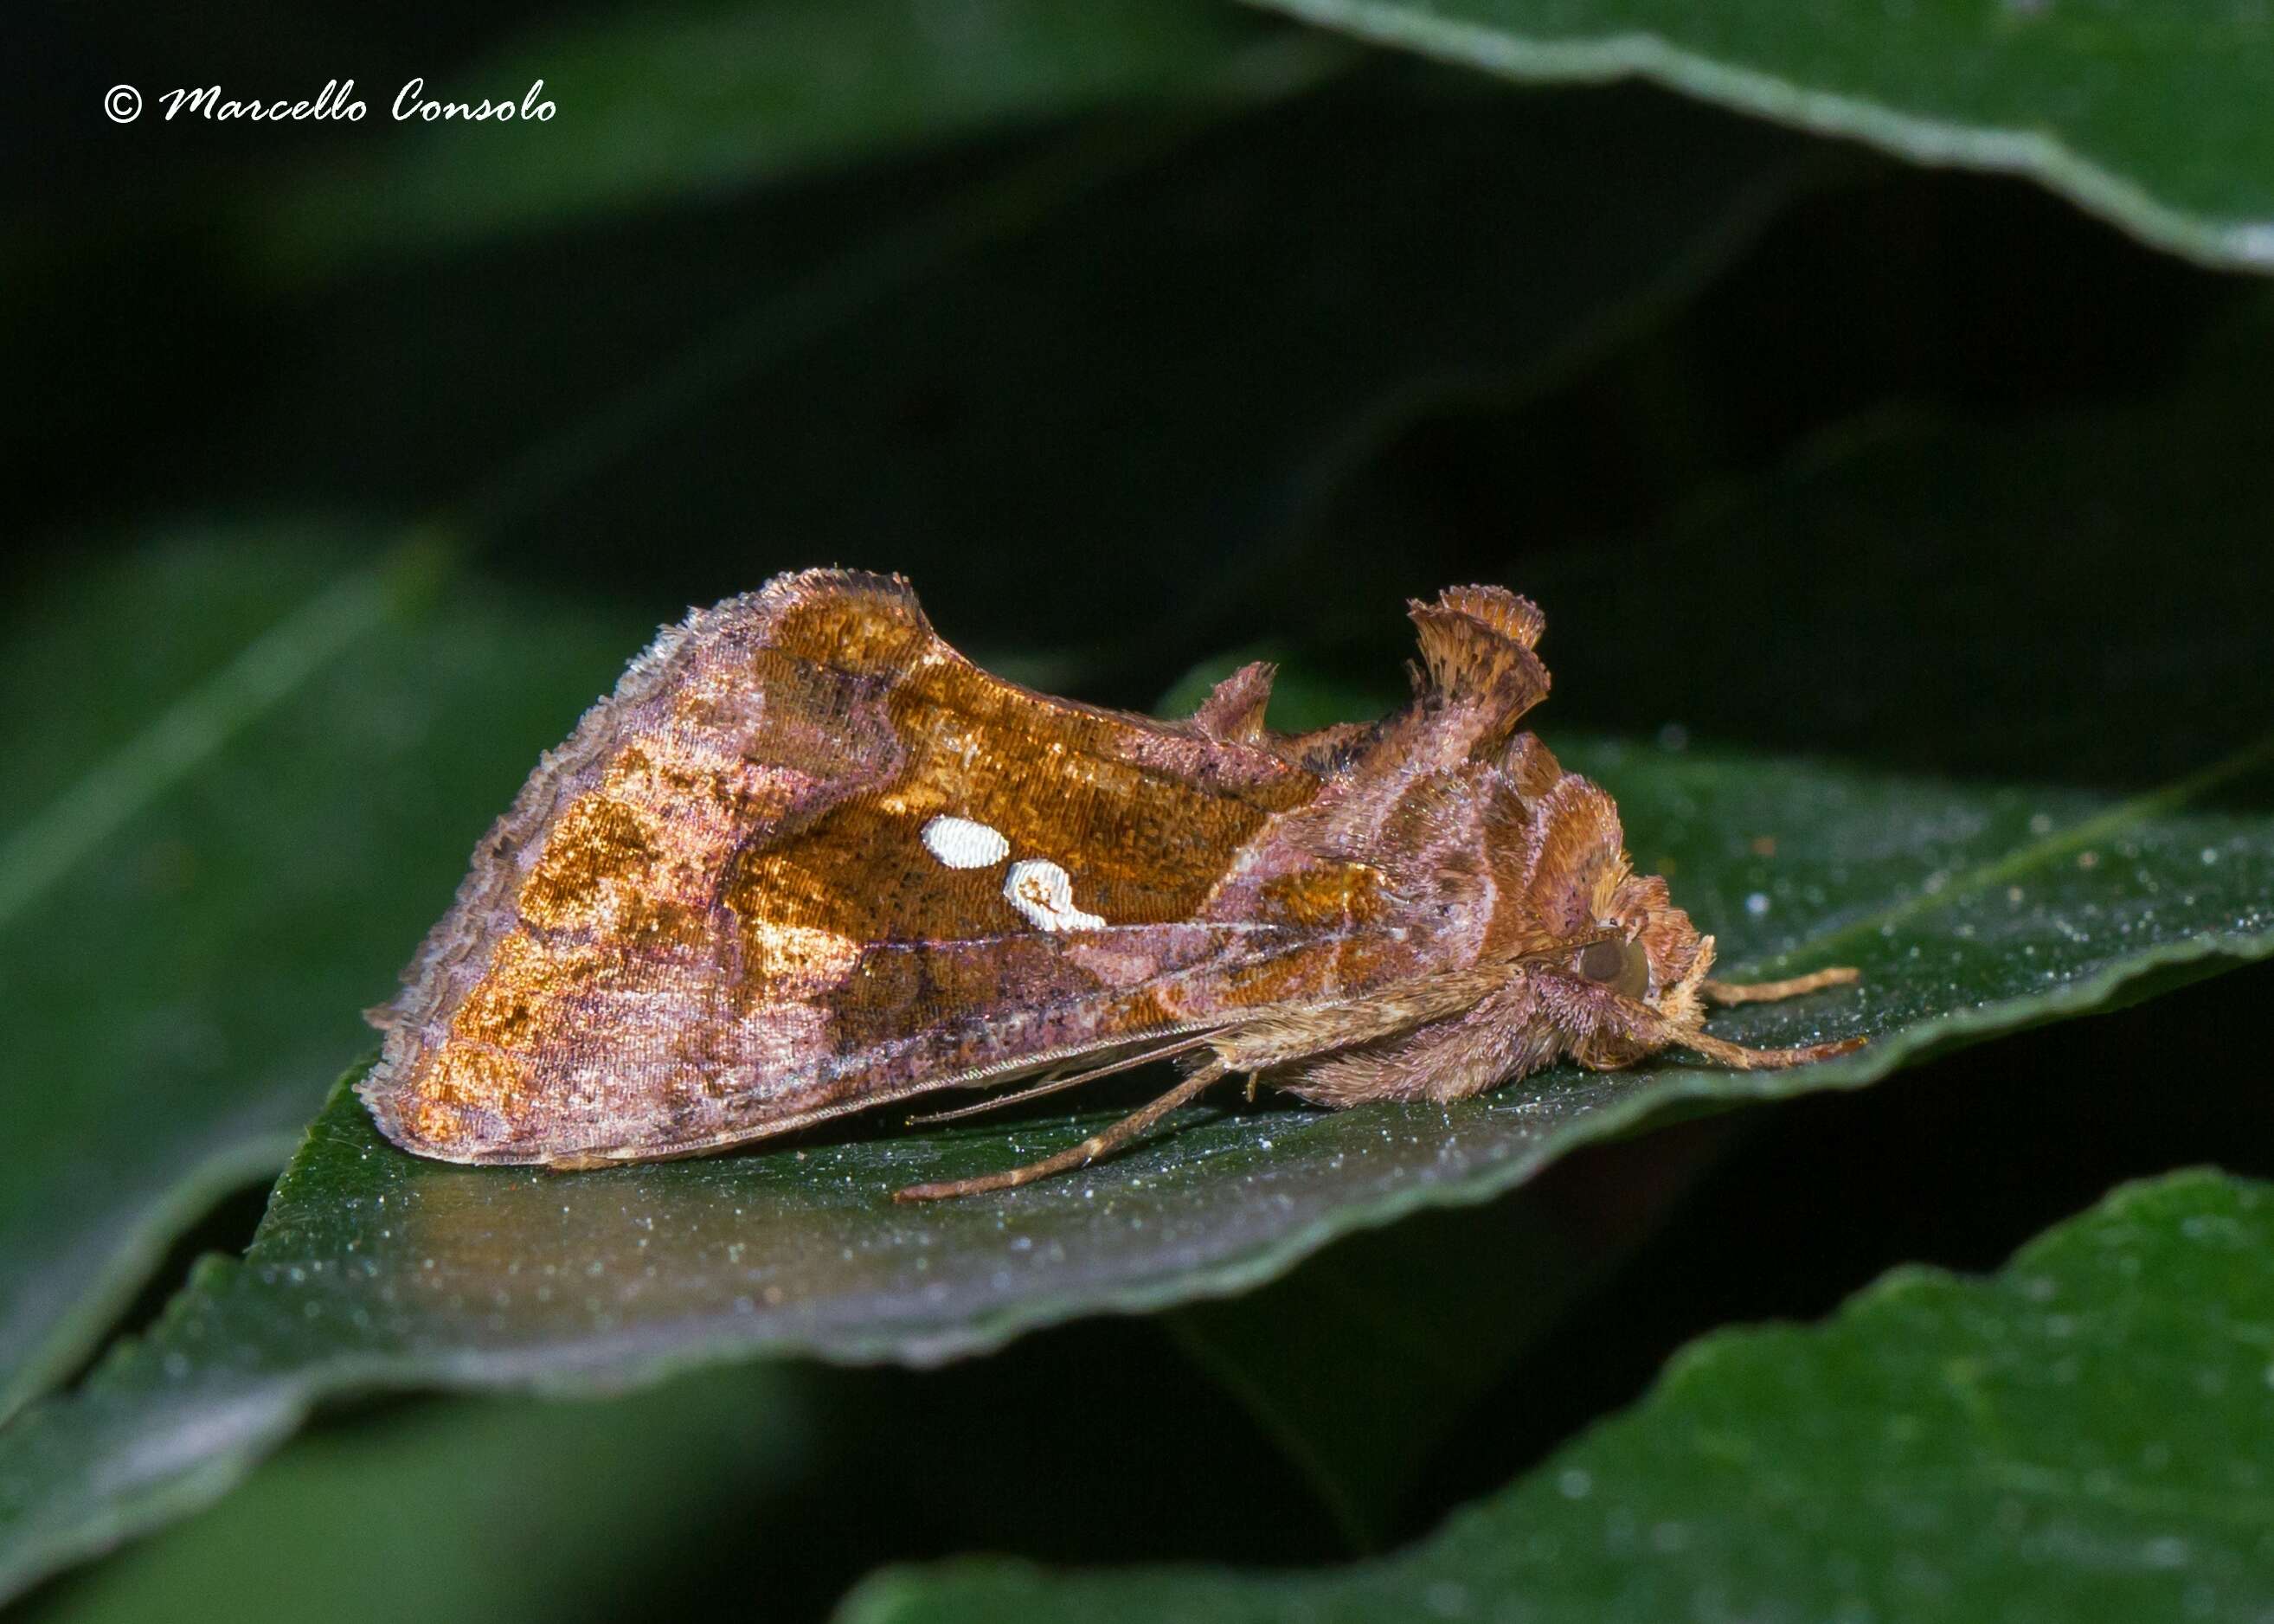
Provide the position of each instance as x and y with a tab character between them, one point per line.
1740	1057
1646	1026
1099	1144
1765	992
1746	1059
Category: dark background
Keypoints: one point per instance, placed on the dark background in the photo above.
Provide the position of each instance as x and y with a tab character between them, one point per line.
1056	407
1254	388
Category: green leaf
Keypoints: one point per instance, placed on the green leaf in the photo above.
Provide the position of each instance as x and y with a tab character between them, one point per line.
2079	1436
496	1509
2151	120
656	106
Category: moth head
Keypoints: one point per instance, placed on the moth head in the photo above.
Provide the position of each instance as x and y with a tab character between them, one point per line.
1637	977
1622	963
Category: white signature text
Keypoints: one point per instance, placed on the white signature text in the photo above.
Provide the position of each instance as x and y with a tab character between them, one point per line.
337	102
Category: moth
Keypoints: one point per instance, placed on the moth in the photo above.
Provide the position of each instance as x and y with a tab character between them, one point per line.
807	860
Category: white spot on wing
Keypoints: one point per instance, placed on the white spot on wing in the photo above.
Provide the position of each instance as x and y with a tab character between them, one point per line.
1041	890
960	843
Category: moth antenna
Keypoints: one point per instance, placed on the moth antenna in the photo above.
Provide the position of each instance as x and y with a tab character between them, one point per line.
1765	992
1565	946
1103	1142
1051	1085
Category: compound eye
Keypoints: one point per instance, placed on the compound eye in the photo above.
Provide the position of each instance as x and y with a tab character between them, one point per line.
1603	960
1621	966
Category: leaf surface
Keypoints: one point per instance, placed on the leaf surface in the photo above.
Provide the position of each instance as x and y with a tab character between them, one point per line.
2078	1436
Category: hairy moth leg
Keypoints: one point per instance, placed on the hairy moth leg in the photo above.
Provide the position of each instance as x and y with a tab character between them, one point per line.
1102	1143
1648	1025
1747	1059
1739	1057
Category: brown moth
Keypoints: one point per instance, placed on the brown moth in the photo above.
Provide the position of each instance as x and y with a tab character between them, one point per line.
807	860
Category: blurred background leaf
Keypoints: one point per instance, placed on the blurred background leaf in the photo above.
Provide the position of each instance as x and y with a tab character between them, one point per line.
567	1502
668	105
2074	1437
2151	120
199	895
1164	336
